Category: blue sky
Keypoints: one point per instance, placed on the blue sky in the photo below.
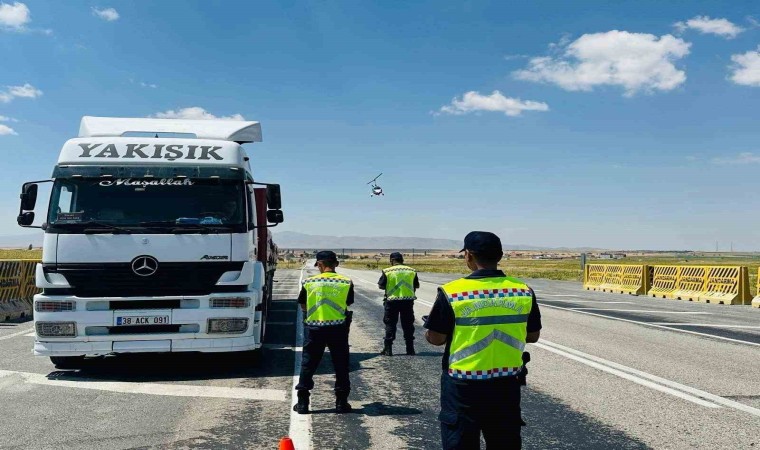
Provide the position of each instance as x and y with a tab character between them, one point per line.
633	125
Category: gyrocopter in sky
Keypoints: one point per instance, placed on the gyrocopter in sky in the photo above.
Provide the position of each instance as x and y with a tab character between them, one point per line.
376	190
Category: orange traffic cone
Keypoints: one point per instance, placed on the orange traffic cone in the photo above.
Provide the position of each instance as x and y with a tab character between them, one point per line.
286	444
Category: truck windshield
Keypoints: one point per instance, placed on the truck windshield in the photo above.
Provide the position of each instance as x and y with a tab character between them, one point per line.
148	203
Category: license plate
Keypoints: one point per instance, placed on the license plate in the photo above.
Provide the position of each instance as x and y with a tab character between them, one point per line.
135	318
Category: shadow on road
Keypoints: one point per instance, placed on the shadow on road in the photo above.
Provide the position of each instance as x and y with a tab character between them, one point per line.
552	424
375	409
182	367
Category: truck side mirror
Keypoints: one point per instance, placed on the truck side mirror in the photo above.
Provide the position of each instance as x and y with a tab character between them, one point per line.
275	216
274	201
29	196
25	219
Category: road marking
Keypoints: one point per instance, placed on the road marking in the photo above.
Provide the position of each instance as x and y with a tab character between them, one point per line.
604	366
171	390
653	325
650	311
591	301
751	327
18	333
555	295
703	395
32	334
300	424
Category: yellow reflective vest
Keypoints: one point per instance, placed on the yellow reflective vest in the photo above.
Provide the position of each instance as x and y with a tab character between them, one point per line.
400	283
326	297
491	322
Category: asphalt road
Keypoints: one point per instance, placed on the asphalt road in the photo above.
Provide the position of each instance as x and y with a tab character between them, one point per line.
610	371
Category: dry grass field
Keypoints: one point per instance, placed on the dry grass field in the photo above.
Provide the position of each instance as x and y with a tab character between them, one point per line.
9	253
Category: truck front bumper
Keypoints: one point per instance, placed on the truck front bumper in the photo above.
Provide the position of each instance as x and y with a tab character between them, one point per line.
154	345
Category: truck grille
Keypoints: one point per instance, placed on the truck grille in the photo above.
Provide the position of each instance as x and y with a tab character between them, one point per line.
118	280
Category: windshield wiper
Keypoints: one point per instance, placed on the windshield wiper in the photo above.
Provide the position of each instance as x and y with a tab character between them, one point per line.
105	226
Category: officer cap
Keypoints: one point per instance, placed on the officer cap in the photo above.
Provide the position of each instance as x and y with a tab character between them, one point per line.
396	256
483	243
327	256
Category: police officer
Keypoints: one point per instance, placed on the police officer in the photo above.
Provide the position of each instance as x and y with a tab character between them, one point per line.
399	283
485	320
324	299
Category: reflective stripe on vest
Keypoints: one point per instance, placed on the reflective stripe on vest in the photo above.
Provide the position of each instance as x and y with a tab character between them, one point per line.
326	297
491	319
400	283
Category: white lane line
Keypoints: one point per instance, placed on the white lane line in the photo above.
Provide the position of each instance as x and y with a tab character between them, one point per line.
171	390
18	333
648	311
653	325
32	334
622	374
712	325
587	301
300	424
706	396
555	295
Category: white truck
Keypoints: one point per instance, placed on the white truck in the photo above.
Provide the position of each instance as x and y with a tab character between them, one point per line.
155	240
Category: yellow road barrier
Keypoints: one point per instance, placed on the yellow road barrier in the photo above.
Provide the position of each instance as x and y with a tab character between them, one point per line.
618	278
756	300
17	288
728	285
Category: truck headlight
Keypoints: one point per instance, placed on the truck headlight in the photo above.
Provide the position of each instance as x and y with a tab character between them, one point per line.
235	325
56	329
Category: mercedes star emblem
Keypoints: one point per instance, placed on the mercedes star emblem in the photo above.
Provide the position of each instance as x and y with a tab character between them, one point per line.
144	266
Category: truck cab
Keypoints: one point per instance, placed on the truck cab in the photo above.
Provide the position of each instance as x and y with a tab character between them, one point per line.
155	240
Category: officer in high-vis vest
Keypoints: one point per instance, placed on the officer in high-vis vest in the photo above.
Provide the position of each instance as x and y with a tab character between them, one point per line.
485	320
324	300
399	283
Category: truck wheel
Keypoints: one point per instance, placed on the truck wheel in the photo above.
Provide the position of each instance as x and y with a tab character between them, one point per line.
67	362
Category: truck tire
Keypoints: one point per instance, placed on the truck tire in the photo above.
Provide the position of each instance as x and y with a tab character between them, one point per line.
67	362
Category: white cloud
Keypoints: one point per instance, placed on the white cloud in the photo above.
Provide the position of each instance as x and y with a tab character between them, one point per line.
634	61
496	102
148	85
746	68
25	91
705	25
107	14
14	16
741	158
7	119
7	131
194	112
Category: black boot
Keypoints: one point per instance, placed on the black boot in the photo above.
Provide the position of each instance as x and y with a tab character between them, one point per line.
410	348
302	407
388	349
341	403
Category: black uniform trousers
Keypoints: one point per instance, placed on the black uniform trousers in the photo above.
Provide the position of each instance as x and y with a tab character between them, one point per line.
315	340
491	407
394	309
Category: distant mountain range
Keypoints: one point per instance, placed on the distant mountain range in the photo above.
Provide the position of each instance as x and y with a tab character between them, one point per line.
292	239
